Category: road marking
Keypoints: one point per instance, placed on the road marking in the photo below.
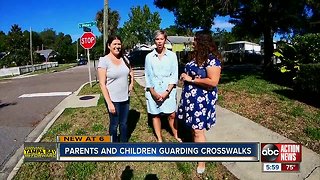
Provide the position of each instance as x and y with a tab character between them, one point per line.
3	82
22	76
45	94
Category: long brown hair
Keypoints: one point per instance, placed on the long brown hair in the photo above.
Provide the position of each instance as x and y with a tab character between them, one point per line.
204	46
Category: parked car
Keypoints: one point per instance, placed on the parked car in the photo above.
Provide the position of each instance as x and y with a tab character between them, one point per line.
137	58
82	61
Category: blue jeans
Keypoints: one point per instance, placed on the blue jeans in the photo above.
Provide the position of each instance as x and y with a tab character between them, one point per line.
119	118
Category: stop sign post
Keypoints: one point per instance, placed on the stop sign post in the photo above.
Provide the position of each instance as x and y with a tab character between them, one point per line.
87	41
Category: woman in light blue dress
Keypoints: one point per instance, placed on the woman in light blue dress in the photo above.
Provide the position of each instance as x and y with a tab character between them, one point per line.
161	75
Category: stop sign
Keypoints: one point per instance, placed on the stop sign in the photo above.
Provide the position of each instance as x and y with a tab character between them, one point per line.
88	40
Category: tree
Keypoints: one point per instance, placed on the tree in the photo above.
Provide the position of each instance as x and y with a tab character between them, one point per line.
175	30
17	47
36	44
36	40
48	37
63	46
192	14
313	8
222	38
129	38
113	21
3	39
267	17
253	18
140	26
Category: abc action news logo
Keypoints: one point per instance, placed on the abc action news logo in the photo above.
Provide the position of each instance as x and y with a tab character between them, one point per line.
282	152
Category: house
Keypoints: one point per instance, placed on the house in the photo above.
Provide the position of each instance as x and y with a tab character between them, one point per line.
243	52
244	47
180	43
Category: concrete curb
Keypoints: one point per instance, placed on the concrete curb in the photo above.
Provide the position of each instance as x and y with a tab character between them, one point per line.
16	160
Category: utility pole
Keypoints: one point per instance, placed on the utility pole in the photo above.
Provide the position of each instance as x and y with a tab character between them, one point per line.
77	49
31	49
105	24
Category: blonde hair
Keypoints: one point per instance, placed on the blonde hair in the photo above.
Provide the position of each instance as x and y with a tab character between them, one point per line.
159	32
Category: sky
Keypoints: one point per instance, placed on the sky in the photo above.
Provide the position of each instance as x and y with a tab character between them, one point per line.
65	15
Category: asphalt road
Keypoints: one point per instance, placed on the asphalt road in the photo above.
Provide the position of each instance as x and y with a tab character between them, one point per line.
19	116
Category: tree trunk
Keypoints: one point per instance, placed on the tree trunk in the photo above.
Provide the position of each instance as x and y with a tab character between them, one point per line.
268	48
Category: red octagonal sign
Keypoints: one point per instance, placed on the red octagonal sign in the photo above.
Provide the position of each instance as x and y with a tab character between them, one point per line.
88	40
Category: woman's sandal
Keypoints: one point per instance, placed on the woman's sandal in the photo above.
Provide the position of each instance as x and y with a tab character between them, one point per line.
178	139
200	170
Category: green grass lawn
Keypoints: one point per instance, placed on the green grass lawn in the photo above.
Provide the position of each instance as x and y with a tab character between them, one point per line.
94	121
293	115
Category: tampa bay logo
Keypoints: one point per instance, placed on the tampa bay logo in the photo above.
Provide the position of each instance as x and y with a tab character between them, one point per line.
269	152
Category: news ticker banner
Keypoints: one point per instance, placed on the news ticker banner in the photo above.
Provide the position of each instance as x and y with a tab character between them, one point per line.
158	152
275	157
87	148
281	157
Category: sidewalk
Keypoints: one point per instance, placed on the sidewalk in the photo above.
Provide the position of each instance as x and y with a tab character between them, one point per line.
232	127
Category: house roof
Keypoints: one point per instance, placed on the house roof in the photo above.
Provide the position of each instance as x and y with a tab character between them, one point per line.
244	42
46	53
180	39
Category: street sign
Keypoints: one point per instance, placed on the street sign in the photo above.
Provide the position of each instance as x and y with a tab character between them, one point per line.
87	24
86	29
87	40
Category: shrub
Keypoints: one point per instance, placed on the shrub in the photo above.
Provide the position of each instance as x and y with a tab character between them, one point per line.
308	79
308	48
304	49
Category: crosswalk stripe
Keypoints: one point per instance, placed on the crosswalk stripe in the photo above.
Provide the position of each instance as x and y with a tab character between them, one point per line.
45	94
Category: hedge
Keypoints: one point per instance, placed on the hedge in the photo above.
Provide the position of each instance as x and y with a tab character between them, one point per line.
308	78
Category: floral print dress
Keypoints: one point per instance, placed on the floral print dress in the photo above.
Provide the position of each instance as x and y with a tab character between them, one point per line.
197	106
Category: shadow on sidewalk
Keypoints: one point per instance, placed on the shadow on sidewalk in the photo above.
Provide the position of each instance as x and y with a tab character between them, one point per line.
133	119
127	173
184	132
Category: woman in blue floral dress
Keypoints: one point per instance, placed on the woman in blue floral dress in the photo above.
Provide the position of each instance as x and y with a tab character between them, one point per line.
199	95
